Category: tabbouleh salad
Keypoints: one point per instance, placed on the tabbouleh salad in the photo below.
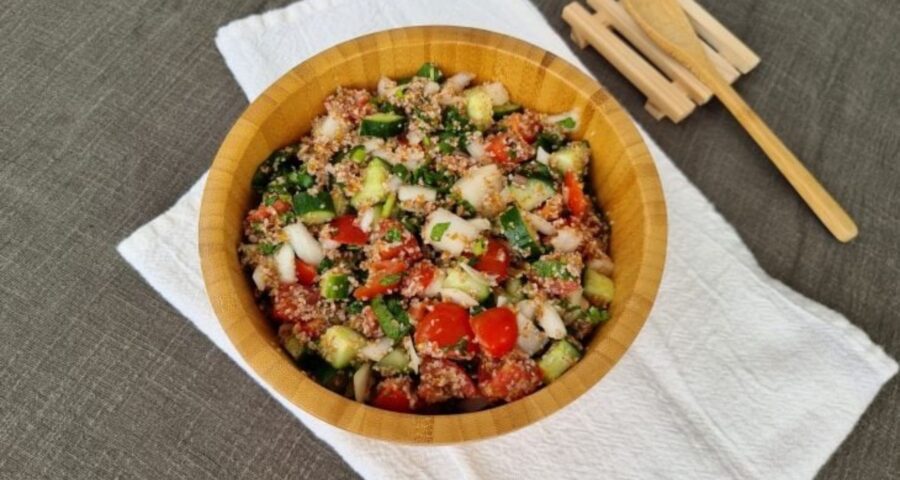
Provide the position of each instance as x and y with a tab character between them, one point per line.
430	247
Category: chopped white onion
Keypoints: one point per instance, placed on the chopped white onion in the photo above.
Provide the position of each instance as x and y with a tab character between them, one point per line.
329	244
540	224
475	148
480	224
377	349
284	263
367	219
414	359
527	308
475	274
385	84
497	92
373	143
362	382
603	264
304	244
386	155
502	300
458	82
259	277
329	128
566	240
458	297
551	322
393	183
437	281
457	235
542	156
431	88
413	192
478	183
530	338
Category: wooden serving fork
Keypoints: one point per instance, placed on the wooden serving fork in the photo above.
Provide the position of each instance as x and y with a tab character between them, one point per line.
666	23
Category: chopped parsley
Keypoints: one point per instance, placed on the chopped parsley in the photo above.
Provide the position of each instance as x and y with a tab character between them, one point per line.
551	269
393	235
567	123
438	231
390	280
268	248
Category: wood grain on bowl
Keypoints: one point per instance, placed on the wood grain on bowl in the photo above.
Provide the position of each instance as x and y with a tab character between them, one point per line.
622	173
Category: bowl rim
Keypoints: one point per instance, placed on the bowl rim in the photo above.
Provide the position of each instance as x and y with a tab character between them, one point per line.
359	418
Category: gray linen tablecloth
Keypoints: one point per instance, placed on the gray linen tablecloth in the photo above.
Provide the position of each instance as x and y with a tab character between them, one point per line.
110	110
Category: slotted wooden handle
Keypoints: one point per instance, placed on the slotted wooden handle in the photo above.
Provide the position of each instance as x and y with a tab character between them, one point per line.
832	215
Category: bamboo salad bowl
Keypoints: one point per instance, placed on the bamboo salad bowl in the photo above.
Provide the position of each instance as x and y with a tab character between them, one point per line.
622	171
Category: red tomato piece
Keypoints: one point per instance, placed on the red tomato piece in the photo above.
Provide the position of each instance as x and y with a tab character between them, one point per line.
496	331
445	332
347	232
495	260
306	273
381	279
294	303
395	394
509	378
281	206
526	127
418	278
395	241
260	214
497	148
575	199
440	380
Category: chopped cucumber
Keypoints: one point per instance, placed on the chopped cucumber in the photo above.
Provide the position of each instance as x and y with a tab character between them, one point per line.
557	359
339	345
374	188
394	363
507	108
383	125
314	209
388	208
339	201
431	72
467	281
392	318
357	154
598	288
293	346
335	285
532	194
519	232
479	108
571	158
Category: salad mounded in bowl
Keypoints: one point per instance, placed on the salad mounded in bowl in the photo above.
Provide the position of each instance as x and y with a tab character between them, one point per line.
430	246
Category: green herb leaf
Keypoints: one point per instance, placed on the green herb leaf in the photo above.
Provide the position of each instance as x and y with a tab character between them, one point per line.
438	230
355	307
268	248
393	235
325	264
567	123
596	315
551	269
391	316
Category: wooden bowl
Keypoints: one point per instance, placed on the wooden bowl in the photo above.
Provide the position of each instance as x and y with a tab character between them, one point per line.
622	172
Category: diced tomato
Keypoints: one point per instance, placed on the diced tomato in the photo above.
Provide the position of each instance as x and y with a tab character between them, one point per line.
294	303
418	278
497	148
495	260
441	380
260	214
510	378
306	273
395	394
381	279
496	331
574	194
347	232
418	310
526	127
281	206
388	247
445	332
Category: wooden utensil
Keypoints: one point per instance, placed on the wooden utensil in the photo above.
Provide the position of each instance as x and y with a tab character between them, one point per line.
666	23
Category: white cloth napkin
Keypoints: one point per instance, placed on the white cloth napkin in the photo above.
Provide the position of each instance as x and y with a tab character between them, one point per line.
734	374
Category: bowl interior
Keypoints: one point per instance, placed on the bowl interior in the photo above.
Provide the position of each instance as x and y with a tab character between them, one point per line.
622	173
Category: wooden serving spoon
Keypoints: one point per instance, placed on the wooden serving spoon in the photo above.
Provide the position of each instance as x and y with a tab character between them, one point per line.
666	23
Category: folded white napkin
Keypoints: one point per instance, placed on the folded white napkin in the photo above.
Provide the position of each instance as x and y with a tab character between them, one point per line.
734	374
